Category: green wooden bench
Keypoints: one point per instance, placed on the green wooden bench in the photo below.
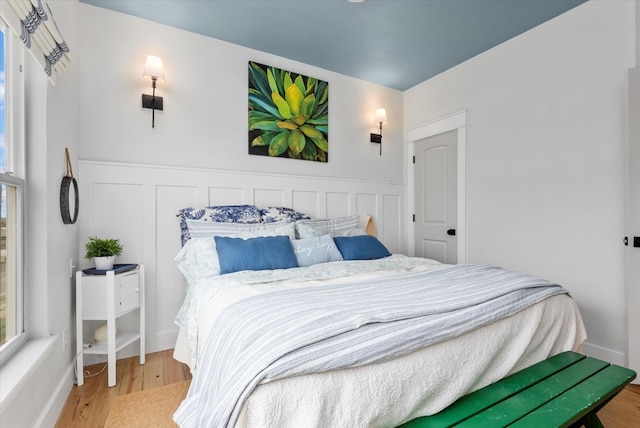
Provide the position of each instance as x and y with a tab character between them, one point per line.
562	391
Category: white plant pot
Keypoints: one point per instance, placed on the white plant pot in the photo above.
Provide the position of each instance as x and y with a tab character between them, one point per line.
104	263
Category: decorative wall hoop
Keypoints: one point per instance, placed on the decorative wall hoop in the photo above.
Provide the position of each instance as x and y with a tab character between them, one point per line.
67	181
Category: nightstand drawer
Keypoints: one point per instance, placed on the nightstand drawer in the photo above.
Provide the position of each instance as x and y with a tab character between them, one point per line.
126	295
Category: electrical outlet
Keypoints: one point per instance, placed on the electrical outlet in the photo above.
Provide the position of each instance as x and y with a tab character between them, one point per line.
65	339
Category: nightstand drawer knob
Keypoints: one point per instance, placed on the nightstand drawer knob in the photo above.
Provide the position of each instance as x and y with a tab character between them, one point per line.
137	290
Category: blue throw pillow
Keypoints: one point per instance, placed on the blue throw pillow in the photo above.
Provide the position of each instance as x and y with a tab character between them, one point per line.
361	247
262	253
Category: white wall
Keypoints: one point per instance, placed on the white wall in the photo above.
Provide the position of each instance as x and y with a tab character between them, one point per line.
545	190
51	122
204	122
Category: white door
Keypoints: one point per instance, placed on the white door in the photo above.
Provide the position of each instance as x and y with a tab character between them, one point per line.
436	197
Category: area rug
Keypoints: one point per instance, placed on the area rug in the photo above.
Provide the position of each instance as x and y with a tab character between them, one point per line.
148	408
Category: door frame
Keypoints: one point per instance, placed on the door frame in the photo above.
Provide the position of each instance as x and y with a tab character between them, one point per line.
455	121
632	211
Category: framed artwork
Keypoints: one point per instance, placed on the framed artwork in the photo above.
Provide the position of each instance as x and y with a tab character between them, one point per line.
288	114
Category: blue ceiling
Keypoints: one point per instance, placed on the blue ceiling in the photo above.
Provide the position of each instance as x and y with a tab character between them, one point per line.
395	43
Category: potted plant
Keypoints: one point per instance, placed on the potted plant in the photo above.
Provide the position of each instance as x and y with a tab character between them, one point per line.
103	251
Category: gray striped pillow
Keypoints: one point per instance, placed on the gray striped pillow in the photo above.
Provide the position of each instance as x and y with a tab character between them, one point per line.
331	226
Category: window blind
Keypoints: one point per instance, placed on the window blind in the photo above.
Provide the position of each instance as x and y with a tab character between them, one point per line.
33	22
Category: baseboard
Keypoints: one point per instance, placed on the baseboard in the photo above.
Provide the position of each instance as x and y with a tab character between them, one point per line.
609	355
54	406
164	340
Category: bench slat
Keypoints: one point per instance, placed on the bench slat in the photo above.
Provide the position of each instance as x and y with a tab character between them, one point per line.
515	407
481	399
587	397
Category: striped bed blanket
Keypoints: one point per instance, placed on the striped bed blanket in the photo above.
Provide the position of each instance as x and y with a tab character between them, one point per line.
291	331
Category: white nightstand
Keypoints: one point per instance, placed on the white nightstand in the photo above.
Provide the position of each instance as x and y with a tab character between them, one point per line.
108	297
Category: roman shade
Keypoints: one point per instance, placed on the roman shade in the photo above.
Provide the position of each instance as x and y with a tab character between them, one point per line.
33	22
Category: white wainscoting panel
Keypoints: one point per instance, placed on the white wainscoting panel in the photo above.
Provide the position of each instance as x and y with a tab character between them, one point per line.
138	204
169	199
392	233
306	201
366	203
269	198
338	204
227	196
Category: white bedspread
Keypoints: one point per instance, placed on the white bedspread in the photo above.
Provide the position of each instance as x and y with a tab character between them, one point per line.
421	383
387	393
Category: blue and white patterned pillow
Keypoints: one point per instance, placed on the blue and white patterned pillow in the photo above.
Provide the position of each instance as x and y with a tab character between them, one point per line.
221	214
273	214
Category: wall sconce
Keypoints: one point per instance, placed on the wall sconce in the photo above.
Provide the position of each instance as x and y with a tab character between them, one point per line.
155	70
381	117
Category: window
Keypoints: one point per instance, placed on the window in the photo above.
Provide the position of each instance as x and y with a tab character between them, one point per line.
12	324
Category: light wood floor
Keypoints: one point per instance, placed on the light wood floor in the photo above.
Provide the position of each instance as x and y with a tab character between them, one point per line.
88	405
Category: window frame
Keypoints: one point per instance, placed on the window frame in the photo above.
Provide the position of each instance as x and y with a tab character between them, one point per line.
15	173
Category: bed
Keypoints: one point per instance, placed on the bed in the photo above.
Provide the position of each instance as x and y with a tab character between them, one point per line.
343	333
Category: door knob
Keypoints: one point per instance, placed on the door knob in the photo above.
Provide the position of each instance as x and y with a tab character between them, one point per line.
451	232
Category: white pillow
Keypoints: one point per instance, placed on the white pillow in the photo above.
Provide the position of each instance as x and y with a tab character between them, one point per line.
198	259
332	226
311	251
201	229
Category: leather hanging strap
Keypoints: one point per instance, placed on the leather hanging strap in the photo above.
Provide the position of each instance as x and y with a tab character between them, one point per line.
69	167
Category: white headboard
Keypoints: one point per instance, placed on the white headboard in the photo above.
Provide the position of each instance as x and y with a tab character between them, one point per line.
138	205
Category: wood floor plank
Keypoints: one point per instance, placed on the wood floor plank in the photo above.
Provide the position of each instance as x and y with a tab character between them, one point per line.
623	410
98	408
186	371
153	371
89	392
173	369
133	373
88	398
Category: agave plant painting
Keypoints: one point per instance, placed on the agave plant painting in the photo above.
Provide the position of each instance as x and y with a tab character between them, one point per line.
288	114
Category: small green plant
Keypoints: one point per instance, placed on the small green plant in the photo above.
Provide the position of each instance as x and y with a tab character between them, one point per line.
97	247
